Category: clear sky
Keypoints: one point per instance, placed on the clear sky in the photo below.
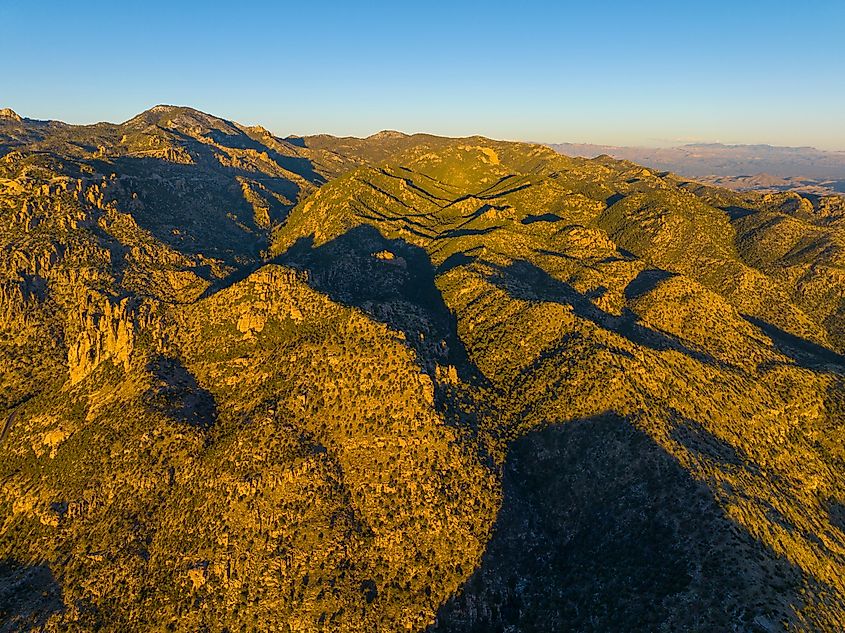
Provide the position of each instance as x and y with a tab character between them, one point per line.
645	72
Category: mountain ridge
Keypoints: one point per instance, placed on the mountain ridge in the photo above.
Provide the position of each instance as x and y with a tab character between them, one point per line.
410	382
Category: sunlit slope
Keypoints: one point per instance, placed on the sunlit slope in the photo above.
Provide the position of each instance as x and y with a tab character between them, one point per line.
266	457
579	289
409	383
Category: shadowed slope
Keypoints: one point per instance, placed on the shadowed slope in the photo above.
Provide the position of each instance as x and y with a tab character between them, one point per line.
601	530
29	596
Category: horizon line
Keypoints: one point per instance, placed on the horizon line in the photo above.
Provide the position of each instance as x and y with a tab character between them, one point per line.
668	145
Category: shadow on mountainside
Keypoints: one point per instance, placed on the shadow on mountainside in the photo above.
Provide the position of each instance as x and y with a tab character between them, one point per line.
175	392
298	165
698	440
543	217
29	595
646	281
391	281
236	276
803	353
601	530
199	208
527	282
737	213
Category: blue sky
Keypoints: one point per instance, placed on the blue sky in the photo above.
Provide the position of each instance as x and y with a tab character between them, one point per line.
647	72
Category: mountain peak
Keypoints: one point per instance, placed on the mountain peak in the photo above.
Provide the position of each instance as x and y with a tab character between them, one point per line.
181	118
163	108
386	134
8	113
164	111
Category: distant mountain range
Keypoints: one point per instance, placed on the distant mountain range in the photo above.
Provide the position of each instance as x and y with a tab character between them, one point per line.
740	167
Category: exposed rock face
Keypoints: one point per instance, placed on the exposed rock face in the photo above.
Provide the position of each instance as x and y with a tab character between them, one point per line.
8	113
106	331
407	383
271	287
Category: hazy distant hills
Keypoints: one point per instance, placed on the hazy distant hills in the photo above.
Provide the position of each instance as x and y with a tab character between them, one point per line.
744	167
409	383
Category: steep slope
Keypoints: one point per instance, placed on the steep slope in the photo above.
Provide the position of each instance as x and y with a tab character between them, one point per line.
585	289
164	206
238	472
448	384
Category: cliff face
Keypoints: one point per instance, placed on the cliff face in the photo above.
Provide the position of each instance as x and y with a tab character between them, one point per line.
106	329
106	335
409	383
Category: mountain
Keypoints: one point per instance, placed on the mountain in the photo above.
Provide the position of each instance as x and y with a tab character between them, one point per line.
410	383
741	167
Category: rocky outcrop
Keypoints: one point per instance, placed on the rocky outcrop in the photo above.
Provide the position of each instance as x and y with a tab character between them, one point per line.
108	329
8	113
107	332
17	301
269	298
